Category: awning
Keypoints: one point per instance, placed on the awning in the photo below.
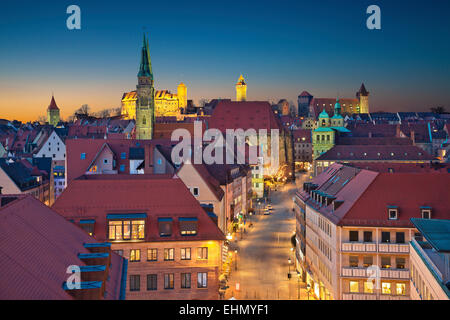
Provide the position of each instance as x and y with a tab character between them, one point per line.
113	216
87	221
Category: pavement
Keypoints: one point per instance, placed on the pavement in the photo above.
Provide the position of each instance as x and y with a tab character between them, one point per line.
261	268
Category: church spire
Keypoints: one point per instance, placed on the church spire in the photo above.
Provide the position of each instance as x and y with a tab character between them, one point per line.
145	68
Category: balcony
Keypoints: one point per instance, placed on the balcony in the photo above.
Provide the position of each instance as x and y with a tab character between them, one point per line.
393	247
372	296
359	272
359	247
375	247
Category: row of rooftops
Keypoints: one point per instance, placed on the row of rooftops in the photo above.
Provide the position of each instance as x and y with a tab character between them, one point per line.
352	196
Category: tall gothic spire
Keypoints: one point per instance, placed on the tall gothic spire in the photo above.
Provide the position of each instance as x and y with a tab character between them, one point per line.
145	68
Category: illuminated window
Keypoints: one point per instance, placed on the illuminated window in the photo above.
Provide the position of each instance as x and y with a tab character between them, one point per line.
353	261
152	254
400	289
169	254
367	261
368	287
126	229
188	226
135	255
202	253
385	288
385	262
354	286
83	156
185	253
400	263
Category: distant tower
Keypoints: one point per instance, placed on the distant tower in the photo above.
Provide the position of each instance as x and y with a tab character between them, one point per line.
145	103
284	106
241	89
182	96
363	97
304	100
53	113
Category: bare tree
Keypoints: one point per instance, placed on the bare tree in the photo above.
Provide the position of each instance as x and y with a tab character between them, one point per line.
84	110
42	119
438	110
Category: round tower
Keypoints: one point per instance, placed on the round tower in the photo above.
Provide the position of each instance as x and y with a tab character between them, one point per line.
182	96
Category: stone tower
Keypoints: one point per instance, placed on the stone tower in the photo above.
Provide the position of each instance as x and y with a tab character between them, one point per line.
363	97
53	113
145	103
241	89
182	96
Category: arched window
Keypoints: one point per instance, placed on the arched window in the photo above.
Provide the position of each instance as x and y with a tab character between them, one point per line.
144	121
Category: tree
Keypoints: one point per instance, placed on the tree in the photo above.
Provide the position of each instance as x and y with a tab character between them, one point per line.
203	102
84	110
438	110
42	119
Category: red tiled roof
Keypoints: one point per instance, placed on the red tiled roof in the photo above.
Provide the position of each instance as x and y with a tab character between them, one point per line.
36	248
402	167
374	141
302	133
95	198
244	115
376	153
408	191
75	147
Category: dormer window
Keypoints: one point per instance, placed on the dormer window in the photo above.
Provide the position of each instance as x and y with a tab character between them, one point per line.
392	213
426	212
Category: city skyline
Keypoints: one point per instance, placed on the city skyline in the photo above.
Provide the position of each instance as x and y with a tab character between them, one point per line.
280	49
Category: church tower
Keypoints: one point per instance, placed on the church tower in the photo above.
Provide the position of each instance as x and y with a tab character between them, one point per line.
53	113
145	103
241	89
363	97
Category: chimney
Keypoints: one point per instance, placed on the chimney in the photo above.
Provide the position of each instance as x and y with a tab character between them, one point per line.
148	159
397	132
413	137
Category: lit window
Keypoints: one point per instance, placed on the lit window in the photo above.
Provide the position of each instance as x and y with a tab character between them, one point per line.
126	229
83	156
386	288
400	289
135	255
152	254
354	286
169	254
368	287
202	253
185	253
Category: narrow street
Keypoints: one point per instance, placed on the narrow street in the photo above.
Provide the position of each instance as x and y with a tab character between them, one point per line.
263	254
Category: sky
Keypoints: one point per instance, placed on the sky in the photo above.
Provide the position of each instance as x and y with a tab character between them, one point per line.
281	47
